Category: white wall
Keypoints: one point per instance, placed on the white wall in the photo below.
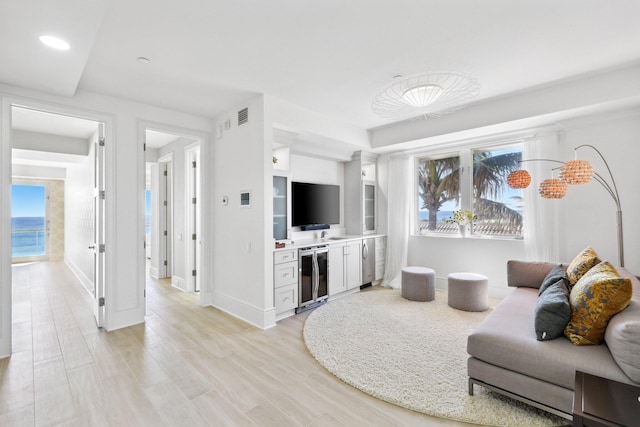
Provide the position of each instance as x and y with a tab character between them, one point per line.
79	230
124	290
241	284
586	214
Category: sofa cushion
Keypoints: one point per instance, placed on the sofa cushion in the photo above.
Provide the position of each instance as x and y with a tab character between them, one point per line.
595	298
558	272
527	274
552	312
506	339
623	333
582	263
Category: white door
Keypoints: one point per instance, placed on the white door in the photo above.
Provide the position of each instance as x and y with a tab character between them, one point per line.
98	246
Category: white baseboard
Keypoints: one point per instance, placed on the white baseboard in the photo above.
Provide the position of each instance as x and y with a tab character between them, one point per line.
87	283
154	272
263	319
178	283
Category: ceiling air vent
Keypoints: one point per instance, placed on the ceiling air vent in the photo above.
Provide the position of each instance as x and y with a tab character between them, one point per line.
243	116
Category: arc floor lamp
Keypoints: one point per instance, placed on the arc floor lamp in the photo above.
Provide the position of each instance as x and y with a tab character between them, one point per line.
573	172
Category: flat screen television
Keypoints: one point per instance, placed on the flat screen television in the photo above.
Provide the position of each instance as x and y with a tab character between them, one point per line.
313	204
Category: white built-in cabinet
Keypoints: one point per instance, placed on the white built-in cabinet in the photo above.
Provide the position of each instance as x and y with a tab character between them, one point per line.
345	266
281	206
285	281
360	194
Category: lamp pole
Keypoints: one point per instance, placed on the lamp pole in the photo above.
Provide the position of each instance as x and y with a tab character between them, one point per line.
613	192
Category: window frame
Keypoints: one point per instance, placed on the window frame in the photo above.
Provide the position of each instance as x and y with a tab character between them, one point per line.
466	155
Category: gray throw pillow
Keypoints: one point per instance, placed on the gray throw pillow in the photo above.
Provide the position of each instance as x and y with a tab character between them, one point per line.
552	311
558	272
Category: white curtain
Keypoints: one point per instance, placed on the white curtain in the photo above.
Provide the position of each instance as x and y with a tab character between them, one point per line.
541	215
398	211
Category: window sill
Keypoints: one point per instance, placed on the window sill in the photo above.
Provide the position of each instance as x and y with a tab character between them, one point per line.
471	236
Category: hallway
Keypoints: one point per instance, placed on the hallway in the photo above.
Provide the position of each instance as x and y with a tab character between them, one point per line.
187	365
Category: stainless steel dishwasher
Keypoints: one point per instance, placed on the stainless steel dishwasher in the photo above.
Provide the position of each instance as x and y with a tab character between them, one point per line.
368	261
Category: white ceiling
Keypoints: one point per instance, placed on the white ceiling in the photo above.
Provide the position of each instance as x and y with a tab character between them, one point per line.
331	56
26	119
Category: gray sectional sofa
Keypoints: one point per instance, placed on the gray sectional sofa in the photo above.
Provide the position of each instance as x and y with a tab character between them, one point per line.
506	357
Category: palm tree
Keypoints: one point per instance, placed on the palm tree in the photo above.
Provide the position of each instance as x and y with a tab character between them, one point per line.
439	182
489	178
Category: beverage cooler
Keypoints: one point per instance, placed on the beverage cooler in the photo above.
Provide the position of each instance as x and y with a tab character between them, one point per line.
312	277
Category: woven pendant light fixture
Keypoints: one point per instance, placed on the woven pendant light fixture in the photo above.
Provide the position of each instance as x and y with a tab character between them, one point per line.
519	179
553	188
576	172
425	95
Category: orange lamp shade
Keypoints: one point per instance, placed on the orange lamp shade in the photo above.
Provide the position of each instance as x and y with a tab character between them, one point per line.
576	172
519	179
553	188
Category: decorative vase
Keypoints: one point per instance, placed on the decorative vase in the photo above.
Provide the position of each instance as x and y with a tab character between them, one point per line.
464	229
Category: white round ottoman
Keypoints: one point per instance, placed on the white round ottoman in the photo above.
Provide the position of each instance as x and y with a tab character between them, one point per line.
418	283
468	291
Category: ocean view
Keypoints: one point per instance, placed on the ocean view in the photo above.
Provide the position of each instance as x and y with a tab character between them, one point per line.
442	215
28	236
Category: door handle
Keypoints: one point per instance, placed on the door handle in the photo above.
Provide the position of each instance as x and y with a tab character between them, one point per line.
92	247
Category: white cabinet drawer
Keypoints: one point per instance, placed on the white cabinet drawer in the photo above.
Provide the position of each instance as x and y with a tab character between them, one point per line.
286	298
285	256
285	274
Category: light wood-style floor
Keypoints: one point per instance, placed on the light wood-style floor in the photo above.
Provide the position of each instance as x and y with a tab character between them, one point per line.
186	366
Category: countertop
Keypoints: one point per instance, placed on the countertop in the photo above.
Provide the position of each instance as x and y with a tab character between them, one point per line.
326	241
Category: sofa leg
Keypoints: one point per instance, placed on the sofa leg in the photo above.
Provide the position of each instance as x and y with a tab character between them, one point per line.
470	387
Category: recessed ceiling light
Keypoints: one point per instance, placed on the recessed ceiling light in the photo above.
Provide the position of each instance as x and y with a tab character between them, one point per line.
55	42
143	60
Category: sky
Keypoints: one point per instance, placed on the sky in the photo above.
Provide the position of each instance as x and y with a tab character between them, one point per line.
28	201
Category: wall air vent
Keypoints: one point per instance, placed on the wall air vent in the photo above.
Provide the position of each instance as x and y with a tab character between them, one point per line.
243	116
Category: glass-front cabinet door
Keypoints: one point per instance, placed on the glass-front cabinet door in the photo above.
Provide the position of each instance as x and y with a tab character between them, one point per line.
280	214
369	206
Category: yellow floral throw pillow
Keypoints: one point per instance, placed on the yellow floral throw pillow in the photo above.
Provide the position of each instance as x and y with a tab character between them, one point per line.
594	299
581	264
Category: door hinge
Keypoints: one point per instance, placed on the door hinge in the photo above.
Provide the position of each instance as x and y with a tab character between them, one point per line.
164	232
164	203
101	302
144	245
144	293
101	248
144	147
101	141
165	262
193	200
194	164
103	194
164	173
193	273
193	236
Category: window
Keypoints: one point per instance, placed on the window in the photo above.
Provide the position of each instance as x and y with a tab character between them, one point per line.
438	193
28	221
445	185
498	207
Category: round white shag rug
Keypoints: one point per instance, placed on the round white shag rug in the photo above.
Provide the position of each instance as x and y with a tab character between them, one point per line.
411	354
